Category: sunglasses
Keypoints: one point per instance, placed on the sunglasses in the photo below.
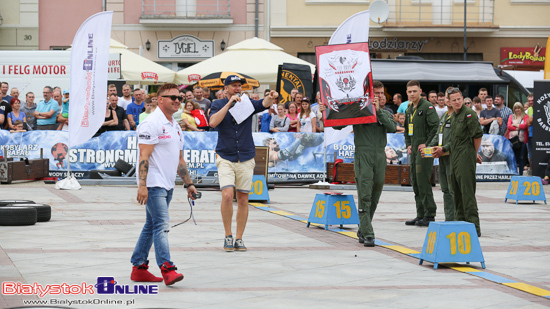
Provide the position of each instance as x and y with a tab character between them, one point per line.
173	97
452	89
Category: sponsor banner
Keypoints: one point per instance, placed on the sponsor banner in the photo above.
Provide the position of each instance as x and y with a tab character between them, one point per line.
292	76
532	56
352	30
89	64
292	156
345	83
498	159
541	129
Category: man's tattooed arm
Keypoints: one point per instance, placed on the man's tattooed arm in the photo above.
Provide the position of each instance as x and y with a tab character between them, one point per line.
143	171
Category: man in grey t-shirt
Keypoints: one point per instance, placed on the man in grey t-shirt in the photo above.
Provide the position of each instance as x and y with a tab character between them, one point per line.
28	108
203	102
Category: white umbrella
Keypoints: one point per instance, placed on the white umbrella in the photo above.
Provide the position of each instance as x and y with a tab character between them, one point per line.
138	69
254	57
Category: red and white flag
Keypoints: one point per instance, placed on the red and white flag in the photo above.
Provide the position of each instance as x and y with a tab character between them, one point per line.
89	61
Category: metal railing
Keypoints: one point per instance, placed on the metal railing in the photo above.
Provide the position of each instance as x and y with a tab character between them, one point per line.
440	13
185	8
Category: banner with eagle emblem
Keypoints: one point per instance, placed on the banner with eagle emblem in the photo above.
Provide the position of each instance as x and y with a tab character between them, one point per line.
345	83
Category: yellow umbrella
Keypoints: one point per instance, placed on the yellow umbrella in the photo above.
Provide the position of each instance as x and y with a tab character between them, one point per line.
215	81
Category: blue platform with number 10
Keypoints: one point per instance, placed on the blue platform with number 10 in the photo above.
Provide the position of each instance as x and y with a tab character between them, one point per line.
333	209
451	241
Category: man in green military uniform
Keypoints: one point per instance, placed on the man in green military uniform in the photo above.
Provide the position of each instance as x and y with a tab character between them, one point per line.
370	164
466	137
420	128
443	142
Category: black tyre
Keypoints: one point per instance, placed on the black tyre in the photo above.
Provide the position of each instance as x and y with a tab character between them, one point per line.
94	174
17	215
43	211
8	202
123	166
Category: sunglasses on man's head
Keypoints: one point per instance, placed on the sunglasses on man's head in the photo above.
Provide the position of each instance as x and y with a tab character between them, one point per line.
173	97
452	89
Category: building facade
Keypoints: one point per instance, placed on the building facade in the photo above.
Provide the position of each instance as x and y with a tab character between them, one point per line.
179	33
432	29
187	31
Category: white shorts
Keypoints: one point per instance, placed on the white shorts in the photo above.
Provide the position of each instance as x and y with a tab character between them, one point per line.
235	174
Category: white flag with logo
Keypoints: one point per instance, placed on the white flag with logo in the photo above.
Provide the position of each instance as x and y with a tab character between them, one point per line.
355	29
88	92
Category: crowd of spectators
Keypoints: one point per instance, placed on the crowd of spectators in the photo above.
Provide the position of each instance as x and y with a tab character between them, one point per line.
298	114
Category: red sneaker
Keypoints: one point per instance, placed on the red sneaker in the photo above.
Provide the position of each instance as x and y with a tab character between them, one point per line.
141	274
169	273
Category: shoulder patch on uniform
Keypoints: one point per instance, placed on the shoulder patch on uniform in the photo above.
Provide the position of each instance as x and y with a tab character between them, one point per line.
469	115
431	107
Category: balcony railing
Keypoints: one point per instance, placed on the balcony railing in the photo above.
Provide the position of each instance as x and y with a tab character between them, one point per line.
440	13
160	9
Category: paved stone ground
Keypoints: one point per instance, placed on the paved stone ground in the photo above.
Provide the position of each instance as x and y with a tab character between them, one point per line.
93	231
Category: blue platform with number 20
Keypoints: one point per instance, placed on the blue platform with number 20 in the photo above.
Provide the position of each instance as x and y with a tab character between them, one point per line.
524	188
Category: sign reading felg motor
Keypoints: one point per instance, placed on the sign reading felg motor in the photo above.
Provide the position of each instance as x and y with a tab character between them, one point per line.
185	46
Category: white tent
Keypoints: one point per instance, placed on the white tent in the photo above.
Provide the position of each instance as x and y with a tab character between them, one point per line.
254	57
137	69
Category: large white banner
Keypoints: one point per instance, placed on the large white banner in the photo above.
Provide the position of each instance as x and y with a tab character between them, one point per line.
89	61
355	29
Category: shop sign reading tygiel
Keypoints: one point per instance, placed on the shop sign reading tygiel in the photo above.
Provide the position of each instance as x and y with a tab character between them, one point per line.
185	46
531	56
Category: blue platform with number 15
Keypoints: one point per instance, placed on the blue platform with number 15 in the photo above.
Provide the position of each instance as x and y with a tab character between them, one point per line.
333	209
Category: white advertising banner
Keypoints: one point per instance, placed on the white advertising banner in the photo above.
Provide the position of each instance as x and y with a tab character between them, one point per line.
89	62
355	29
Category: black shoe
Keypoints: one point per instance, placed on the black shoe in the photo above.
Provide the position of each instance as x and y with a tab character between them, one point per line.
361	237
425	221
478	234
412	222
369	242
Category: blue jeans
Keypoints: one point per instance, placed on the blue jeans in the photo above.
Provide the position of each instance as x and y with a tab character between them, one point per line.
156	228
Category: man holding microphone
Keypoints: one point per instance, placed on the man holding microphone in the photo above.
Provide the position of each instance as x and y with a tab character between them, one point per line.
235	153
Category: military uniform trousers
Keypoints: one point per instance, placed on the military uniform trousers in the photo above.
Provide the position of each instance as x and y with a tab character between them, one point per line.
446	188
421	169
370	171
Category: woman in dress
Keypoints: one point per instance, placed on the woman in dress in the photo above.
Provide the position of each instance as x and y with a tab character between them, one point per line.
308	120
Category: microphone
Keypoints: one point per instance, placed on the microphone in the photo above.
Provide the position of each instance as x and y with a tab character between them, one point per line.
235	102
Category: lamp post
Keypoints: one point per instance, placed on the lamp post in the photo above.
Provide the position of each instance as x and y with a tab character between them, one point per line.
465	46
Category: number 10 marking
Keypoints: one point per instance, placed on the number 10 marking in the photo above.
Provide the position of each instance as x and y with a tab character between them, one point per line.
464	243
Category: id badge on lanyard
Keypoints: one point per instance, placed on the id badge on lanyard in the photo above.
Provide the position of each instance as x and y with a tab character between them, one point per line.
440	139
410	129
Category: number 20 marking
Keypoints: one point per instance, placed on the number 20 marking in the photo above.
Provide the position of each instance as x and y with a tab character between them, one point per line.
531	188
257	187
